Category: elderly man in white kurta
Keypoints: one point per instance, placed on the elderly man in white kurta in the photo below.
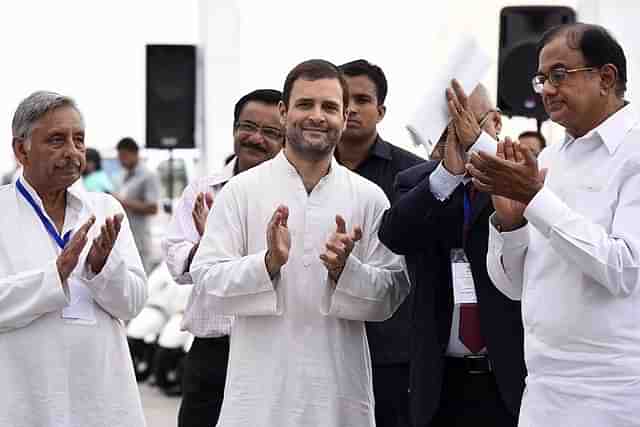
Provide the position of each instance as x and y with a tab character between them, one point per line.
65	283
278	255
568	244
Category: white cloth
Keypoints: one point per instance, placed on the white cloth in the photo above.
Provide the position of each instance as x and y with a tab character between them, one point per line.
201	320
299	354
59	372
576	268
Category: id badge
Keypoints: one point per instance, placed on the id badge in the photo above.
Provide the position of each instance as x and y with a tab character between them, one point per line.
464	291
81	307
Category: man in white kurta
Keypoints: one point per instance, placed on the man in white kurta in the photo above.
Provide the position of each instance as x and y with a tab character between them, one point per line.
299	353
572	253
64	359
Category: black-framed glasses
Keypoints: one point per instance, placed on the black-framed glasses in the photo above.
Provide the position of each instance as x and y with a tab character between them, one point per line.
270	133
556	76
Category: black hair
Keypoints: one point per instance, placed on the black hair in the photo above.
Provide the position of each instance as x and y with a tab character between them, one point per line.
93	155
534	134
127	144
265	96
362	67
312	70
597	45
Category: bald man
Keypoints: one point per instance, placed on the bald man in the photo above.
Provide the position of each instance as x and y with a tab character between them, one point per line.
467	364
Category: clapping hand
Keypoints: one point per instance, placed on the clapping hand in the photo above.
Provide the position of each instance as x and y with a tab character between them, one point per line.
68	258
201	208
339	247
278	241
103	244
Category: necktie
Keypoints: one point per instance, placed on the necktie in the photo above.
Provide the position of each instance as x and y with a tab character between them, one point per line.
469	331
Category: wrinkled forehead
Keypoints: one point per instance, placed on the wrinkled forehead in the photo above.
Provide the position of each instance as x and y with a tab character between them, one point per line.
58	119
558	54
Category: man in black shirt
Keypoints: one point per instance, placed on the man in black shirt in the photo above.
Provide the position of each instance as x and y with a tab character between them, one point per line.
363	151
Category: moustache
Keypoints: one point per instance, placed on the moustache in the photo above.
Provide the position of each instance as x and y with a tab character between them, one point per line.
69	164
251	146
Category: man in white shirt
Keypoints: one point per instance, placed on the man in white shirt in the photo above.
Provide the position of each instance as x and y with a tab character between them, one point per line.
64	359
257	137
291	249
568	245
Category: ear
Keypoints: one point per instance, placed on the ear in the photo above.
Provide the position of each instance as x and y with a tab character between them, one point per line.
497	121
20	150
282	109
608	77
382	110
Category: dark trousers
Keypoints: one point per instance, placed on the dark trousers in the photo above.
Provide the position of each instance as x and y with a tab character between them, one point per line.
470	399
391	393
205	371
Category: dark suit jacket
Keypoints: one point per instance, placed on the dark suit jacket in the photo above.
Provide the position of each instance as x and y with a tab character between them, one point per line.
424	229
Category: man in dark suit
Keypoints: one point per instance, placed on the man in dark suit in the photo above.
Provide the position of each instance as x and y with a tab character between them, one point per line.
362	150
467	365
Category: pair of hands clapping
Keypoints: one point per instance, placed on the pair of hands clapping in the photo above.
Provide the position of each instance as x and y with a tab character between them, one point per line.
338	247
100	249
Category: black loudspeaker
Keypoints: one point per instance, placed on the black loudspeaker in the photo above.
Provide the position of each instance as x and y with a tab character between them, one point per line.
521	27
171	96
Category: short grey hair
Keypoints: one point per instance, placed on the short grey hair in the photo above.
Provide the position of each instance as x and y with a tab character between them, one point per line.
34	107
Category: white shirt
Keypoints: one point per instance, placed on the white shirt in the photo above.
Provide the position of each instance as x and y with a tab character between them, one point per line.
64	372
299	354
200	319
576	268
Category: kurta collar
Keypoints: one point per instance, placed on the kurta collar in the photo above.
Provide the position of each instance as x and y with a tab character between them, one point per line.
75	194
613	130
284	164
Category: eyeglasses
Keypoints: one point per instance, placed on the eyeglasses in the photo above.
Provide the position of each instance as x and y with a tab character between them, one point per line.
556	76
485	117
270	133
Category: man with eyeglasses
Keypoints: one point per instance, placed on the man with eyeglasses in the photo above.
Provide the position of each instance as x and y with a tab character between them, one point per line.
257	137
467	363
567	242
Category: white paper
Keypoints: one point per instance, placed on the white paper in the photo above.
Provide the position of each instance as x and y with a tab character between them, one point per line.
81	303
464	291
467	63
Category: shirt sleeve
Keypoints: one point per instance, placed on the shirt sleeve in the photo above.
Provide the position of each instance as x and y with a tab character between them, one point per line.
121	287
505	259
442	182
374	281
611	257
181	236
234	282
27	295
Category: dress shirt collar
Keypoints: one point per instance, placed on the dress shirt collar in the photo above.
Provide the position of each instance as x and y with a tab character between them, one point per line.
612	131
75	192
381	148
224	175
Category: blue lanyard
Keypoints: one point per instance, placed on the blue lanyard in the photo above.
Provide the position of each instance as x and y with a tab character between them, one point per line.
467	209
60	240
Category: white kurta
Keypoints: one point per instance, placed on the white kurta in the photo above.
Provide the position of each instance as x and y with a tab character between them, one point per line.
60	371
576	268
299	354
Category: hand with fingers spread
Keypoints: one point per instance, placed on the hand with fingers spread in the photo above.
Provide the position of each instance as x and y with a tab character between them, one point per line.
454	159
339	247
68	258
103	244
464	121
278	241
201	208
513	174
